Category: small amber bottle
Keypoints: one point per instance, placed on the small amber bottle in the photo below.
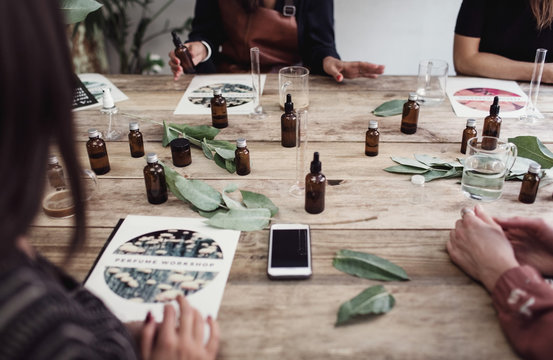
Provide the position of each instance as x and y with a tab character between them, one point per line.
219	116
410	116
54	173
288	122
136	141
530	183
154	177
315	183
182	52
468	133
372	138
180	151
97	153
492	126
242	157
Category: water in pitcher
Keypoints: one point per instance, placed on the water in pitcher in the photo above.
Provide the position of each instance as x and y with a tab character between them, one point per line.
483	177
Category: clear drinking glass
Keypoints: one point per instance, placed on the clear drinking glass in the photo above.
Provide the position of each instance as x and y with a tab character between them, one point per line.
431	82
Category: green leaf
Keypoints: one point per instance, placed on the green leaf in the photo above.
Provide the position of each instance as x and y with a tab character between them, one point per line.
169	134
403	169
436	174
225	154
170	178
75	11
230	165
254	200
229	202
368	266
373	300
221	144
210	214
198	132
532	148
242	219
199	194
222	163
520	167
207	151
436	162
389	108
410	162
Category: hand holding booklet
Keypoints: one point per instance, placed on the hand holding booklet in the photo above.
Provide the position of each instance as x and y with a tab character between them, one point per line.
150	260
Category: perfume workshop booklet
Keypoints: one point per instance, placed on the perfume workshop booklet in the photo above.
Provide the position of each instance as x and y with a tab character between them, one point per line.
236	88
150	260
472	97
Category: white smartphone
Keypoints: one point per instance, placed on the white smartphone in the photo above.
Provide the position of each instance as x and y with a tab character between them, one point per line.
289	252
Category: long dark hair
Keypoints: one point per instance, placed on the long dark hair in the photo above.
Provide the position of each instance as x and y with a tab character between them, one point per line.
36	89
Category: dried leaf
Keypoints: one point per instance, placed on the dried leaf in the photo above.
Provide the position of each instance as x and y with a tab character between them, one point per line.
373	300
368	266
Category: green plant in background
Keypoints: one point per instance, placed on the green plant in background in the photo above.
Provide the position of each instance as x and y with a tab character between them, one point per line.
114	19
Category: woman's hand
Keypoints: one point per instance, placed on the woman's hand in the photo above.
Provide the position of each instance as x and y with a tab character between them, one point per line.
168	342
198	52
339	69
532	241
479	247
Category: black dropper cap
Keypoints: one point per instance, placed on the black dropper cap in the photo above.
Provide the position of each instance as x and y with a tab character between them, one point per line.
494	108
315	164
176	39
288	105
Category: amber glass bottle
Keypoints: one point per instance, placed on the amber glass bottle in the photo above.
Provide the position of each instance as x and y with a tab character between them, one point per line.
530	183
410	116
219	116
492	126
97	153
154	177
315	184
54	173
469	132
136	142
242	157
372	138
181	51
288	122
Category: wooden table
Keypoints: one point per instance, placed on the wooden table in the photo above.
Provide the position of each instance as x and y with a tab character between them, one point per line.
440	313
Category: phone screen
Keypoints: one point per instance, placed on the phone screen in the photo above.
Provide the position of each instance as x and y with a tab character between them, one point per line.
289	248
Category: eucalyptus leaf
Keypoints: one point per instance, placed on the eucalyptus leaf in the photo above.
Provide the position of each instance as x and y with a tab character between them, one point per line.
404	169
221	144
520	167
547	177
389	108
410	162
433	161
368	266
242	219
169	134
532	148
210	214
170	178
207	152
198	132
225	153
230	165
436	174
220	161
373	300
75	11
199	194
230	202
254	200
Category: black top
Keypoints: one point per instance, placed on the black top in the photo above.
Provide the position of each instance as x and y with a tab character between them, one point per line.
505	27
48	315
315	19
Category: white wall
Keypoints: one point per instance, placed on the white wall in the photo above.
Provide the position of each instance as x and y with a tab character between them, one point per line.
396	33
